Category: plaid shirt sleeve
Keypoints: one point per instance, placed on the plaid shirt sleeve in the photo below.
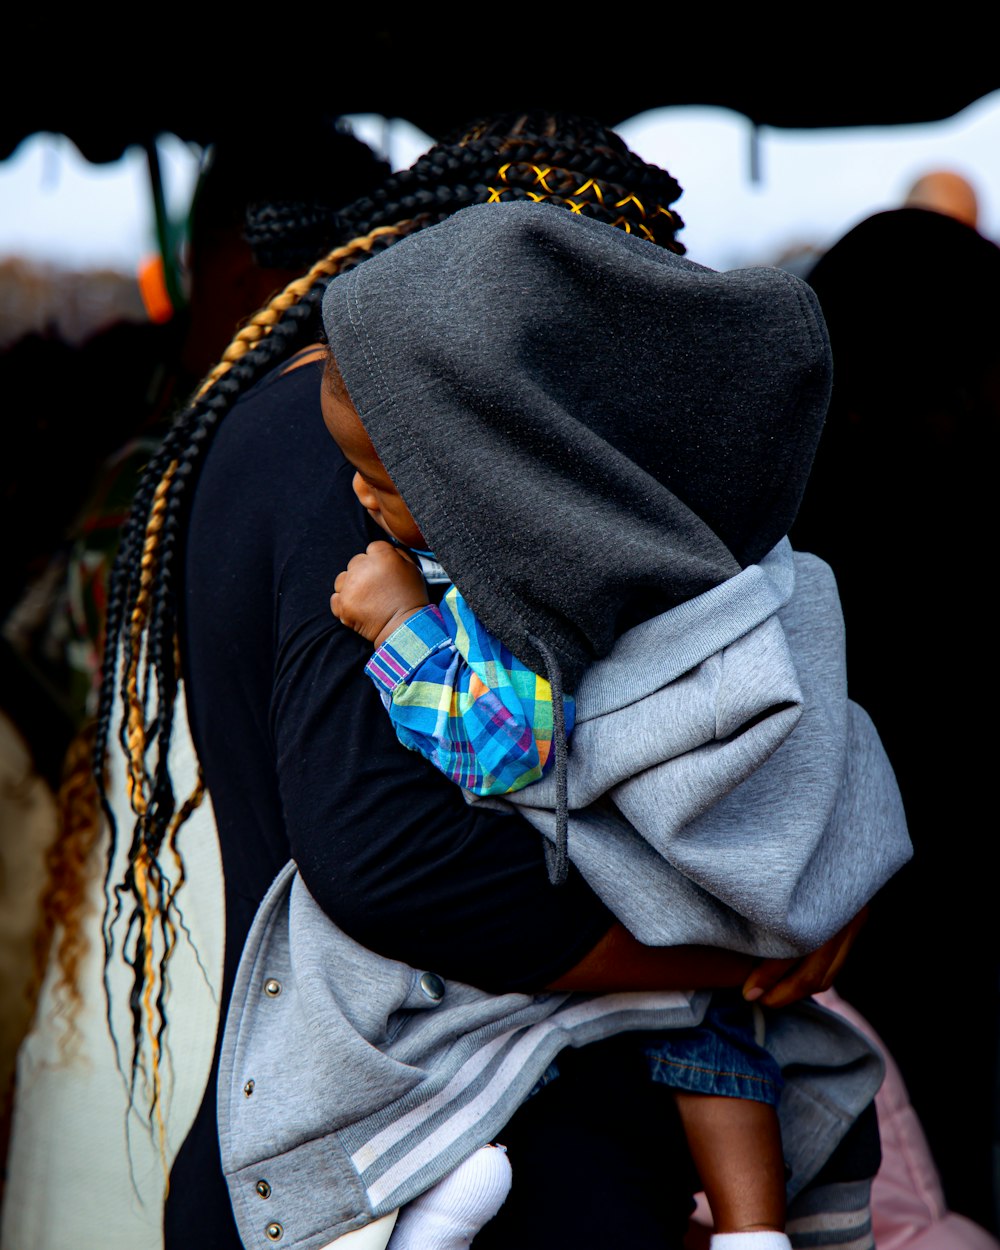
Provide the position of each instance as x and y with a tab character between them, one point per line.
459	697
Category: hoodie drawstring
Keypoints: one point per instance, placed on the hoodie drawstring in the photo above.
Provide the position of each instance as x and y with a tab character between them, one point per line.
556	853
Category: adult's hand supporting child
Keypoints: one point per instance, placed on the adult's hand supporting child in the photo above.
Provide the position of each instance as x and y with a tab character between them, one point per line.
778	982
620	962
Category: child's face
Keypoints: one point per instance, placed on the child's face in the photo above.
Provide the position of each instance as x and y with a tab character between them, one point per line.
372	485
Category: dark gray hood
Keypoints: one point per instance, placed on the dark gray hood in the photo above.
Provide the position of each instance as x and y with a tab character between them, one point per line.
587	428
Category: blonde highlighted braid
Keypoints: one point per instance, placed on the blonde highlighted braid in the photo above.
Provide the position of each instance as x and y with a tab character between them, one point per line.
149	658
572	162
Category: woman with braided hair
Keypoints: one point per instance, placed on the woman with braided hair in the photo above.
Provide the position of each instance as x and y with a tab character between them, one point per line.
239	526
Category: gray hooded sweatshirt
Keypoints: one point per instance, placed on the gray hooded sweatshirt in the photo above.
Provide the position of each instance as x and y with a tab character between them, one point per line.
605	444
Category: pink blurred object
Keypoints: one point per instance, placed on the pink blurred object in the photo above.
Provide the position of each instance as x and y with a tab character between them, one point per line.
908	1206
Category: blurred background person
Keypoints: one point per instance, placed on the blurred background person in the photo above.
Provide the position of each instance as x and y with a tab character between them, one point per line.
945	191
899	504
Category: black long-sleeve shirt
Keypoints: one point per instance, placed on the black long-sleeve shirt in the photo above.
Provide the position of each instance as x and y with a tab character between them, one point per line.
301	759
298	754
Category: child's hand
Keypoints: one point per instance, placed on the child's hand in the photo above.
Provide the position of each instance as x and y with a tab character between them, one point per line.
377	591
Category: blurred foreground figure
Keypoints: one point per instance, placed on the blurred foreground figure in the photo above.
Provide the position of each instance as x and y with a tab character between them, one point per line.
897	504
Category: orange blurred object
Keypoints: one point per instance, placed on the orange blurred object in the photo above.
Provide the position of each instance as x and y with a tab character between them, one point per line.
153	289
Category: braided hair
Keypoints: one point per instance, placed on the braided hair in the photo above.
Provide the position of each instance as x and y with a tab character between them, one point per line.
565	160
569	161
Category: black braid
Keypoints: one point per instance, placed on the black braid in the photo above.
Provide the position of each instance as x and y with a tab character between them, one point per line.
564	160
311	227
460	170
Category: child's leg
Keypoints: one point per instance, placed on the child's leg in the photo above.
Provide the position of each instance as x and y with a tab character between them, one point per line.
736	1146
449	1215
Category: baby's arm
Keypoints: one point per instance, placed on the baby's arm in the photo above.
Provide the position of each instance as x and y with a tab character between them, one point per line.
459	697
378	591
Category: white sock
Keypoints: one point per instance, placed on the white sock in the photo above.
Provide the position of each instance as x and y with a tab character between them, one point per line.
763	1239
449	1215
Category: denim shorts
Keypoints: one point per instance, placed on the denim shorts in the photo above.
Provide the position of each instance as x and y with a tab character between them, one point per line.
718	1056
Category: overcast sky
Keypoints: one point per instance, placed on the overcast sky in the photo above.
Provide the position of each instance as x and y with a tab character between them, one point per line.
814	185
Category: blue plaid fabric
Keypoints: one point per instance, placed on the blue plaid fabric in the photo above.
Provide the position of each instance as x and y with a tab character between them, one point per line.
460	698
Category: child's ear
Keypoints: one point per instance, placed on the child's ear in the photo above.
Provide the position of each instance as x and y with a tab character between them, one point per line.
365	493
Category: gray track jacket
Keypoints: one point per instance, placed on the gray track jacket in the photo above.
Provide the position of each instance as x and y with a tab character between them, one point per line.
766	814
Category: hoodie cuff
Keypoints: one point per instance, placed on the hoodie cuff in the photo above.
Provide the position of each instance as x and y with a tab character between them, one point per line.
407	647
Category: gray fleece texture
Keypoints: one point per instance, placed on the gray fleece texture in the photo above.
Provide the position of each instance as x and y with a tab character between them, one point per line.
546	390
722	788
